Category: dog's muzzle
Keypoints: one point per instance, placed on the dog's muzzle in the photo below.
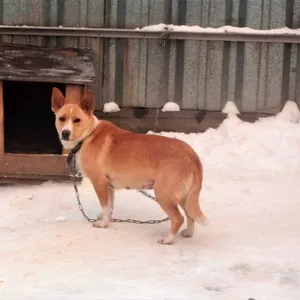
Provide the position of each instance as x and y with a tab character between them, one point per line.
65	135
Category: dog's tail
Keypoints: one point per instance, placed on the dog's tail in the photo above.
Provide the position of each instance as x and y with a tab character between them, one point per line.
192	205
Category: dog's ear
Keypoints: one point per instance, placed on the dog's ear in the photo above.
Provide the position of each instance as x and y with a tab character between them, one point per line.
57	100
88	101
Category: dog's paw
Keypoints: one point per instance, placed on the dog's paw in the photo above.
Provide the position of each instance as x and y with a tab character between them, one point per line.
100	224
186	233
168	240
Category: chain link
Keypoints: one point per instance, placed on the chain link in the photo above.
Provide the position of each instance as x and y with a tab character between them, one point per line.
116	220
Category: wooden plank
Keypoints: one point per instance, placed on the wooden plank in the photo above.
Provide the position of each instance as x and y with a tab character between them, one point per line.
142	120
24	63
1	119
27	166
35	179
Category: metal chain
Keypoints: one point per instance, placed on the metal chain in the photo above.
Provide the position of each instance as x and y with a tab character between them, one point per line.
73	171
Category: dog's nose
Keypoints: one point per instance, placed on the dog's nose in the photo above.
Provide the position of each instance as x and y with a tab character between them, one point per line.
65	134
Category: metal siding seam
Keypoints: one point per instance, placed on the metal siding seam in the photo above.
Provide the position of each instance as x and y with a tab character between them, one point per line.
285	84
120	44
179	68
1	17
225	56
240	53
167	50
297	85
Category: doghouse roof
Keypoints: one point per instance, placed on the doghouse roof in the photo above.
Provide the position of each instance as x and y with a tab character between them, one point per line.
29	63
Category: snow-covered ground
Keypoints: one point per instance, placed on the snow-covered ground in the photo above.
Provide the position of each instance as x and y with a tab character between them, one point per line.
251	249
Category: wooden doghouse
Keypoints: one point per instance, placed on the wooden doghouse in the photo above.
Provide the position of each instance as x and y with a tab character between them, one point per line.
29	145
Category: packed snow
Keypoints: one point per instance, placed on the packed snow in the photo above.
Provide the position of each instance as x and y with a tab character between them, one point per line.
222	29
170	106
111	107
289	113
60	219
230	108
251	249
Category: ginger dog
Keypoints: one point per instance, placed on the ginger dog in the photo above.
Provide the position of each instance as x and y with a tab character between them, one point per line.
113	158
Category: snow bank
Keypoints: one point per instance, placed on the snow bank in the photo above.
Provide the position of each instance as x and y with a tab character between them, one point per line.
170	106
269	145
230	108
111	107
289	113
223	29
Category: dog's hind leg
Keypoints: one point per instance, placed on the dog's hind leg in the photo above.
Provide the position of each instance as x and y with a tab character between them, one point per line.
190	226
176	219
167	199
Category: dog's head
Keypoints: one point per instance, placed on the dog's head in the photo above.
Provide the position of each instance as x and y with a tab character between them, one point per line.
73	122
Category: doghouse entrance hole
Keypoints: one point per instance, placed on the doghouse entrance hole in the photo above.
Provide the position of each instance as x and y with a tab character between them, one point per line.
28	119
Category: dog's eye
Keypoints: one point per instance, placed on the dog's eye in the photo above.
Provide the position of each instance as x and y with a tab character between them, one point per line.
77	120
62	119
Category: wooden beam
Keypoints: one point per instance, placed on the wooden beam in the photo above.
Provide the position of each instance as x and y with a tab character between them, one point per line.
28	166
35	179
1	119
144	119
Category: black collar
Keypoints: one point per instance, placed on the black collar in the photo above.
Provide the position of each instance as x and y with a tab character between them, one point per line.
72	153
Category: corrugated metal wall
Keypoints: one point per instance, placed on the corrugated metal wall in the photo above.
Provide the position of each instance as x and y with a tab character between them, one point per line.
196	74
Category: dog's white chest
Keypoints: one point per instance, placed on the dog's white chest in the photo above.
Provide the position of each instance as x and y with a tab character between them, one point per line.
79	163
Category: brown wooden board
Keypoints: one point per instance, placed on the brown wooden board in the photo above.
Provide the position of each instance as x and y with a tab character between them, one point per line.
142	120
19	179
24	166
30	63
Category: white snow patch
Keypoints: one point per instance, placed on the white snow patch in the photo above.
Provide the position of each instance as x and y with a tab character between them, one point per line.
222	29
111	107
60	219
289	113
30	196
157	27
170	106
267	145
230	108
250	250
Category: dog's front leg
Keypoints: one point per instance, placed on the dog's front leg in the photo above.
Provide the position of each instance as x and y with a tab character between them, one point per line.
111	191
105	197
